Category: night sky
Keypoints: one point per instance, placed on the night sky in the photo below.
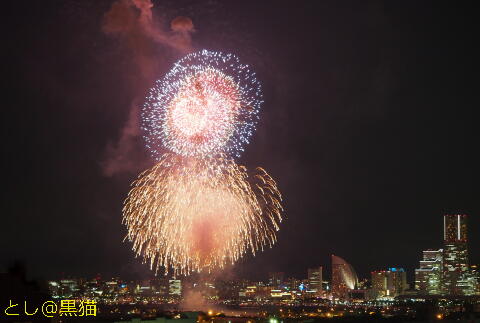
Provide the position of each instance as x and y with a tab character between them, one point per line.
369	127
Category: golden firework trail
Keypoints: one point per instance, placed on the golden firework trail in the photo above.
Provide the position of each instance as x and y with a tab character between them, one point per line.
192	214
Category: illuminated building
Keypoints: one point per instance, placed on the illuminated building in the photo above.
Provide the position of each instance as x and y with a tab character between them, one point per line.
326	286
379	283
160	286
454	228
315	280
54	288
293	283
475	277
428	278
111	287
280	294
397	281
175	287
144	287
344	277
455	255
446	271
389	283
66	288
275	279
249	291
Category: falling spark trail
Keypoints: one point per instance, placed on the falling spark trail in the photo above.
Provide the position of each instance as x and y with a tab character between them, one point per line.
193	214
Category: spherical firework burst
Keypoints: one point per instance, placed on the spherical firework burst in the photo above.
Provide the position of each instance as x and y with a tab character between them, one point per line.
198	214
206	104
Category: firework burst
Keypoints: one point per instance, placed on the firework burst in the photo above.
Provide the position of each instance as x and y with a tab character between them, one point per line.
206	104
196	214
197	209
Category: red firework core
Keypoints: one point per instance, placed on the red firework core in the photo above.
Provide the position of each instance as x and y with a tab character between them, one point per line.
204	110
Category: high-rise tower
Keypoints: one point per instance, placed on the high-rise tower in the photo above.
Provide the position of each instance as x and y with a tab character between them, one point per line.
455	254
429	277
315	280
389	283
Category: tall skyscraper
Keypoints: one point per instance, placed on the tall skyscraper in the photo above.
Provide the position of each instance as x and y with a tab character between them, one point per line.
389	283
315	280
429	277
454	228
397	281
455	255
379	283
344	277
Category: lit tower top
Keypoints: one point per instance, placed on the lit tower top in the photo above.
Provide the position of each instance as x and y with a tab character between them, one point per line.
454	228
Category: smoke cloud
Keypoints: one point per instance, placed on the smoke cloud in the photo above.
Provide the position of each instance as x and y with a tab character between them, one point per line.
132	22
193	301
126	156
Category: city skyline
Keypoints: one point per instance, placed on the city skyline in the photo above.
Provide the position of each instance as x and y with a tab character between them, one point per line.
434	276
446	283
411	272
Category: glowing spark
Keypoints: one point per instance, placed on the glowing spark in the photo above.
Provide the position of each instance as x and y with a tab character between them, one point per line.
193	214
206	104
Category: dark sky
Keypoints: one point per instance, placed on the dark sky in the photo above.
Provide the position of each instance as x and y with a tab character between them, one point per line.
369	127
